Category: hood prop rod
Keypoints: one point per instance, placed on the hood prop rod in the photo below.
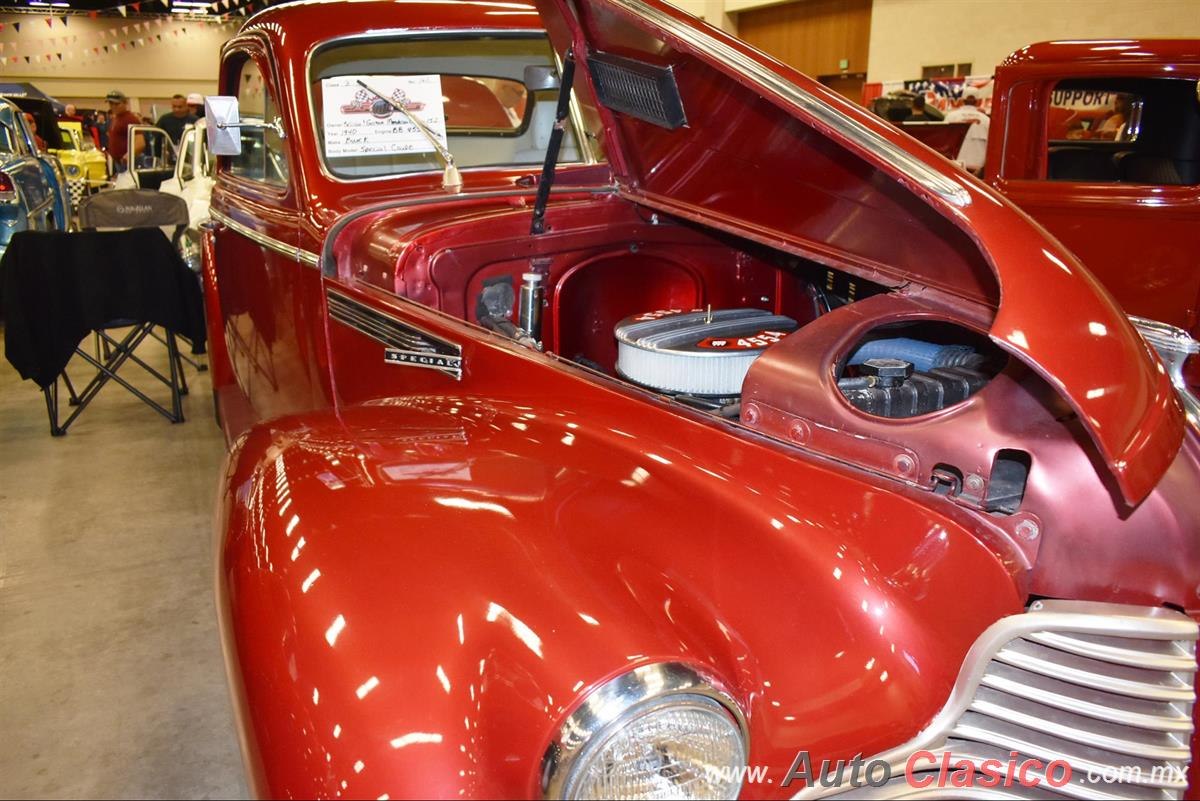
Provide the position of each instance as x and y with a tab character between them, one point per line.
554	146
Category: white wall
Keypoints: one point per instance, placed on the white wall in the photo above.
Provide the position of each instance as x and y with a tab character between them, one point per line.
181	62
909	34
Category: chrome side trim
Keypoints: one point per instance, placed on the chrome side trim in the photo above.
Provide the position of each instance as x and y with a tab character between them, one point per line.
406	345
948	189
607	705
1062	682
291	251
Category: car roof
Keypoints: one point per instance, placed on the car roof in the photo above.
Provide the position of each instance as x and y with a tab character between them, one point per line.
1103	50
332	18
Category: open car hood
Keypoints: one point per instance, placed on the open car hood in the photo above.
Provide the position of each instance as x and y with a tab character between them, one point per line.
704	127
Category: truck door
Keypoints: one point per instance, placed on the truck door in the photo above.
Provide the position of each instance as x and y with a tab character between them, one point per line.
1111	166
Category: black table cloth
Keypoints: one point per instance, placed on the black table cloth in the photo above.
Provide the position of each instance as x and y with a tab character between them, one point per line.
57	287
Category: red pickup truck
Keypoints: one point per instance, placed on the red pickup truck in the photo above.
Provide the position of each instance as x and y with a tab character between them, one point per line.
1099	141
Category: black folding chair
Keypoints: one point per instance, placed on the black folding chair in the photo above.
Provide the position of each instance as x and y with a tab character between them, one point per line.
58	287
141	208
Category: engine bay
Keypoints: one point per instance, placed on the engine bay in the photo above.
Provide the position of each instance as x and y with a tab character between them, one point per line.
883	373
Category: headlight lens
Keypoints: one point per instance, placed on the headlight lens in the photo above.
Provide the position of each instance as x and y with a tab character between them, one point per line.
687	747
72	170
660	731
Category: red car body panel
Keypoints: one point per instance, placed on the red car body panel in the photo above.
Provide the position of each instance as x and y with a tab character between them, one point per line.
419	577
1140	240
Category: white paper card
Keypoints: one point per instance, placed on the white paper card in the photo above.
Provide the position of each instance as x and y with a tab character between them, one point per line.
358	123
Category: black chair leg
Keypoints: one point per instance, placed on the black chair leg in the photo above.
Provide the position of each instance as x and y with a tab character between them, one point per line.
51	393
200	367
176	377
73	397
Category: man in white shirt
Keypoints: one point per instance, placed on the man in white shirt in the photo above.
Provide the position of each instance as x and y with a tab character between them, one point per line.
974	148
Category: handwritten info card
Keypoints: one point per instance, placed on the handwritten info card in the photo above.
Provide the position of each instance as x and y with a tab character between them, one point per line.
360	123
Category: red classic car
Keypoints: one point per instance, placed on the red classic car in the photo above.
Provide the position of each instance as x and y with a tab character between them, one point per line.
1100	142
685	432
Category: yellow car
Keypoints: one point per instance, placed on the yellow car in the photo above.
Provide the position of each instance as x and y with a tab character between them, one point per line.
86	166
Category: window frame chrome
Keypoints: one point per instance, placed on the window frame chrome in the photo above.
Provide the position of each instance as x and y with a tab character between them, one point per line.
585	148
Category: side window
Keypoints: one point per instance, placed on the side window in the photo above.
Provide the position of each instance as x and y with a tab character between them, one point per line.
1133	131
263	157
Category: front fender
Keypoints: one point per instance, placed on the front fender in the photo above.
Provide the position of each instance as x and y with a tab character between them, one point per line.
415	593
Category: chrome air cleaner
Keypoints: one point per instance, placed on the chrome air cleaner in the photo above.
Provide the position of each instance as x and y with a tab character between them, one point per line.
696	352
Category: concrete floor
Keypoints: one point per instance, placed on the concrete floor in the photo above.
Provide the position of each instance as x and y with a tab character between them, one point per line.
111	679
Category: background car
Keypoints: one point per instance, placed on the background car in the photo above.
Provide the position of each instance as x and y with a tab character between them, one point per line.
192	181
86	167
151	157
33	194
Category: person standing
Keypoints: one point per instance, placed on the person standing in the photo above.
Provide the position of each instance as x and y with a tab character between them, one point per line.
974	147
195	102
179	117
120	118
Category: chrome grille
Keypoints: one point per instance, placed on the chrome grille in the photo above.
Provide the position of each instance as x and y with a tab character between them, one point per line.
1107	689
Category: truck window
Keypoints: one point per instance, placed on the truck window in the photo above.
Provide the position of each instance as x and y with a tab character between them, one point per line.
1128	130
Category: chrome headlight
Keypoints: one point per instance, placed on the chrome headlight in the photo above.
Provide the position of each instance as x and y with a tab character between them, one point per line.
659	731
1174	346
72	171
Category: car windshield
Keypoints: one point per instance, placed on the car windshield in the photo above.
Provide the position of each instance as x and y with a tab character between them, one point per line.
469	93
68	139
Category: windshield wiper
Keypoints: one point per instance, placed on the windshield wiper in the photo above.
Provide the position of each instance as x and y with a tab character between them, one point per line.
451	180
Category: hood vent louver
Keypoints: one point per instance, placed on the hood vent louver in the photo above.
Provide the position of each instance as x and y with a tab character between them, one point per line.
646	91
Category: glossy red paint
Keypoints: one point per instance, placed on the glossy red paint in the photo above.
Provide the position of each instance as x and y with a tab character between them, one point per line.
391	639
1138	239
420	575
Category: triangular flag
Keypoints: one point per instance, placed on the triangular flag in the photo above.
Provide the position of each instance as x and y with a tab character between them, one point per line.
93	14
26	59
49	21
1	26
122	10
137	26
17	27
167	4
59	56
124	29
106	48
158	36
136	6
64	20
96	50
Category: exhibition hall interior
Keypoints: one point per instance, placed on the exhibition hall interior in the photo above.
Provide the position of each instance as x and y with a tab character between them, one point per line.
593	399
